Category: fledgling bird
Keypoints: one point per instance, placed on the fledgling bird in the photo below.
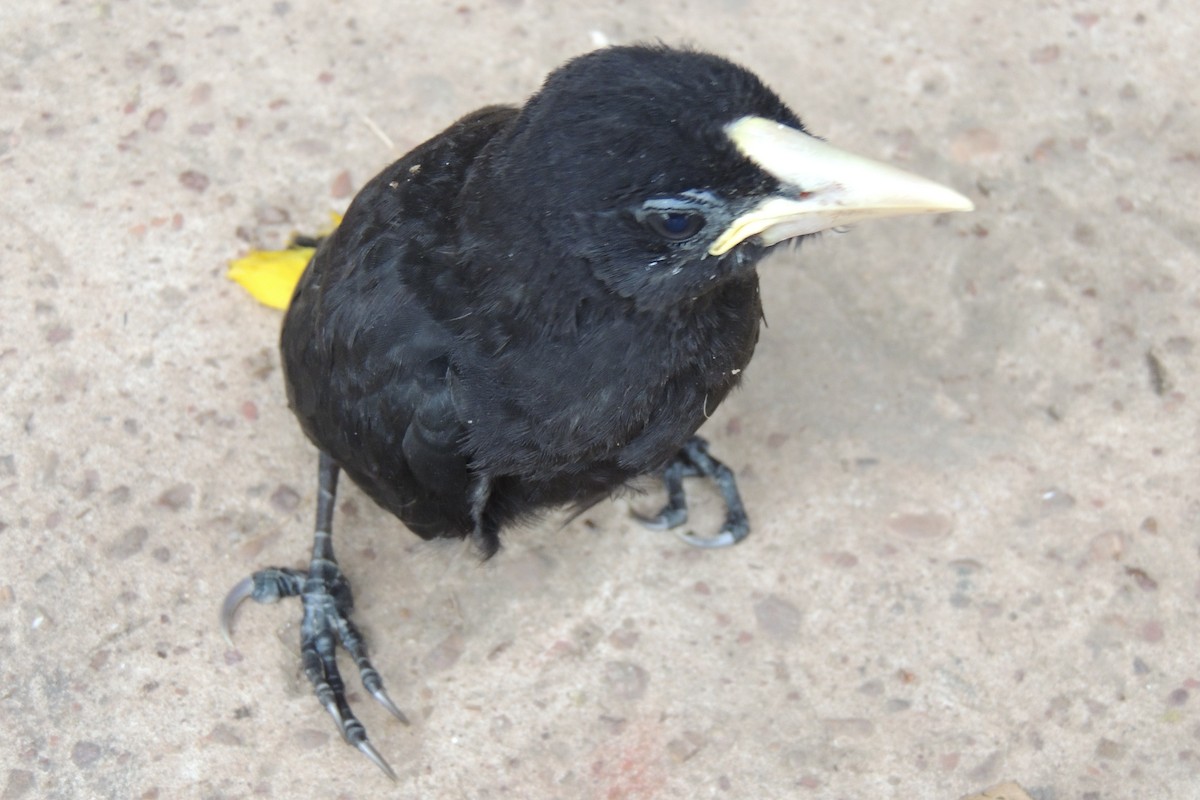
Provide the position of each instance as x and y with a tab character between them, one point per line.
540	304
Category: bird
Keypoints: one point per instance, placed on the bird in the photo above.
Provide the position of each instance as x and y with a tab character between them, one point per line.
543	303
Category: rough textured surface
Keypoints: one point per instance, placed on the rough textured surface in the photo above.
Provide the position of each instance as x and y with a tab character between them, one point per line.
969	444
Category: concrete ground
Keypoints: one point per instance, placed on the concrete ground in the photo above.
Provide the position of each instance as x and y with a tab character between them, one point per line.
969	444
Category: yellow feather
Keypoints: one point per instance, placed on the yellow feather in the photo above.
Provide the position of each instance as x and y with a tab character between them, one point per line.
270	276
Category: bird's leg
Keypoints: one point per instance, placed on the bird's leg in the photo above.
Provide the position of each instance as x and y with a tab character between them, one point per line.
693	460
486	533
327	600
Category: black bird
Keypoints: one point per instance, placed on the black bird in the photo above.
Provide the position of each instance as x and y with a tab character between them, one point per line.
540	304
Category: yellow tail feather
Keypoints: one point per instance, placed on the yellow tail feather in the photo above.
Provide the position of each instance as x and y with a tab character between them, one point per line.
270	276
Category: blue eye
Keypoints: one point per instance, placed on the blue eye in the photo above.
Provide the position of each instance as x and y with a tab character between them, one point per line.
675	226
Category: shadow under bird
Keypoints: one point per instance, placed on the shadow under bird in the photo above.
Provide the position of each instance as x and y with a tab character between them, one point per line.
540	304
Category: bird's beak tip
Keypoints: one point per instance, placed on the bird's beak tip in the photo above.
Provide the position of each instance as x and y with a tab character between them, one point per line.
956	201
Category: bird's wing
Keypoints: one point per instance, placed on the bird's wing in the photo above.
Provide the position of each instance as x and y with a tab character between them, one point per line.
366	345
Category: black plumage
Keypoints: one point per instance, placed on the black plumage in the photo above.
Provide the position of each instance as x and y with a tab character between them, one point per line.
491	310
533	308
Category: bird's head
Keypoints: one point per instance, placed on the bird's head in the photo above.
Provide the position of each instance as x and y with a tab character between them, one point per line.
668	172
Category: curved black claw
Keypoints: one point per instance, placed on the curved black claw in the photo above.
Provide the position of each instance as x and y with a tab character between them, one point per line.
368	750
266	586
730	534
242	590
664	520
693	460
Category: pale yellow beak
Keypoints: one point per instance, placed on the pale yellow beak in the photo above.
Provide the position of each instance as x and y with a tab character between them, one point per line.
829	187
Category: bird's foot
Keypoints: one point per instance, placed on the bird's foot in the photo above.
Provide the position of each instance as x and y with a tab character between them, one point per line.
693	460
327	600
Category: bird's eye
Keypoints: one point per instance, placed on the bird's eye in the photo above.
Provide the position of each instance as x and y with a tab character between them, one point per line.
675	226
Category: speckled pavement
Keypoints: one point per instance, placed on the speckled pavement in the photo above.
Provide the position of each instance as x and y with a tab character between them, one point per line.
969	444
